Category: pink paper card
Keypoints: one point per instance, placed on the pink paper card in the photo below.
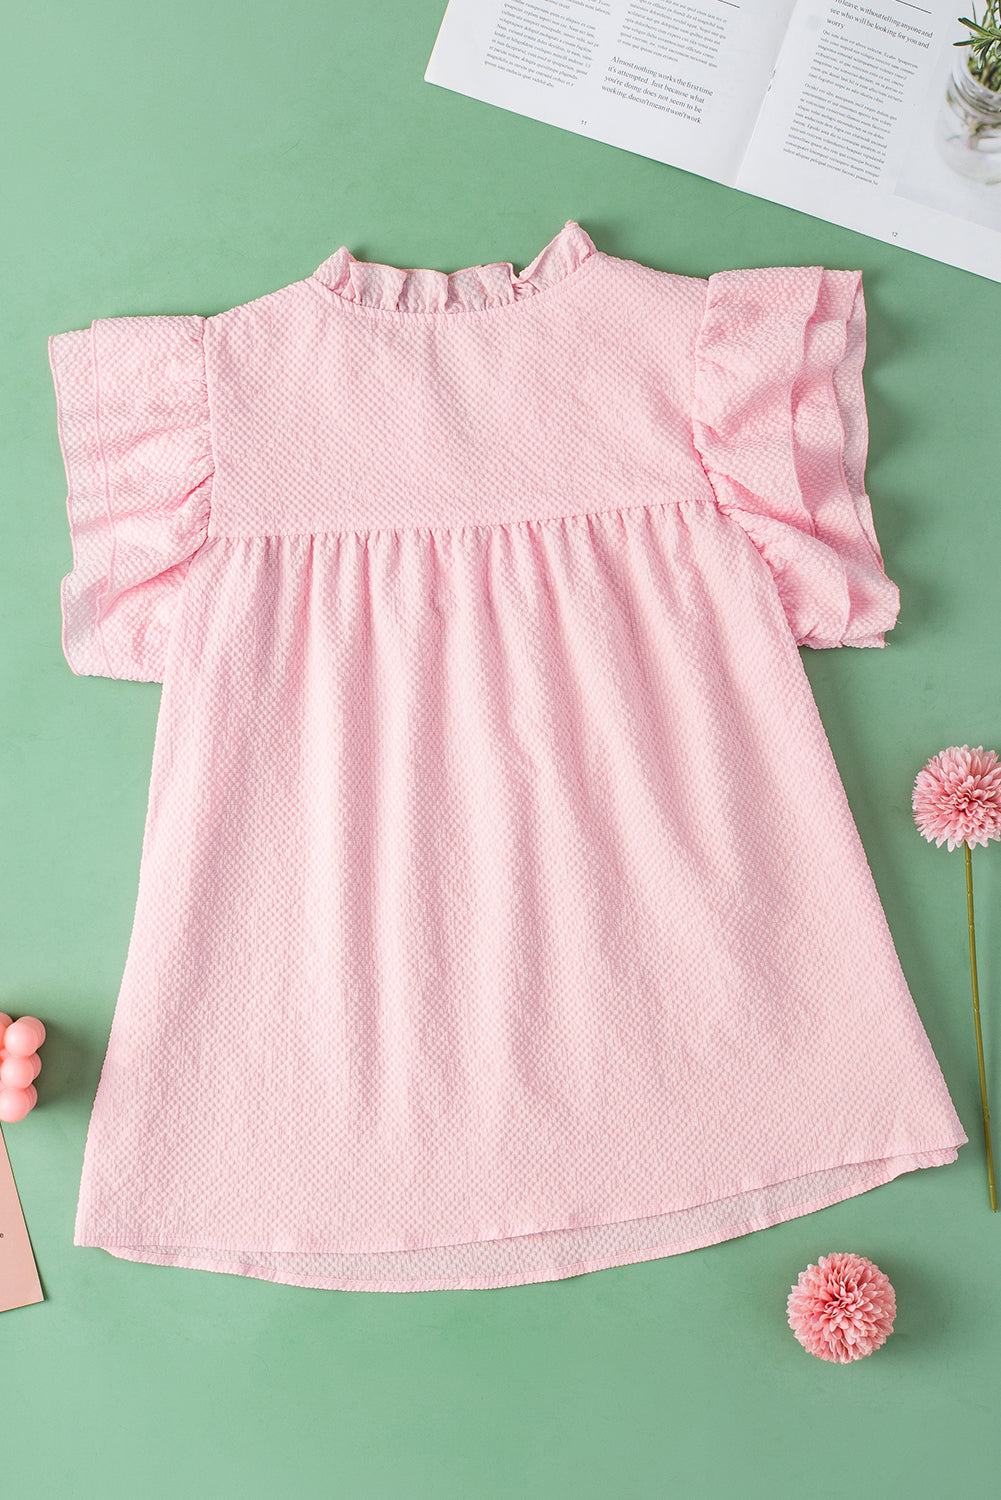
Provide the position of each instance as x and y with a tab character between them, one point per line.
19	1284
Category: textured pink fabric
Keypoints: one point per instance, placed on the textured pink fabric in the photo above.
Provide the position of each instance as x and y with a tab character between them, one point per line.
501	914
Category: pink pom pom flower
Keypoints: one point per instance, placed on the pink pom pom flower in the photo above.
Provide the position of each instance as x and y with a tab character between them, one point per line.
842	1308
957	797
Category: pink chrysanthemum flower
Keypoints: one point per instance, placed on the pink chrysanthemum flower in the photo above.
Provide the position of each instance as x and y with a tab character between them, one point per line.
957	800
842	1308
957	797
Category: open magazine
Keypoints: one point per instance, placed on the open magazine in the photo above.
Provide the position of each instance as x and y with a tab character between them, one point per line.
847	109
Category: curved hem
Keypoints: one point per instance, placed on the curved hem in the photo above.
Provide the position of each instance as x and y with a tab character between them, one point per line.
201	1260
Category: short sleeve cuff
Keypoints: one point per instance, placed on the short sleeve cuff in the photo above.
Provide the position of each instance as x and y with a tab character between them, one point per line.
779	421
133	419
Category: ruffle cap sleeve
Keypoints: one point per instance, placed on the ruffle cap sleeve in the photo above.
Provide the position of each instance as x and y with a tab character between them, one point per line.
133	418
779	421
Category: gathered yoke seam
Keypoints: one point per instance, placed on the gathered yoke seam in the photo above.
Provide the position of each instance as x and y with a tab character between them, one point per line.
436	527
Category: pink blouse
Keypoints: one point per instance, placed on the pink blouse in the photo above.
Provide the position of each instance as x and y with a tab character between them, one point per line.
501	914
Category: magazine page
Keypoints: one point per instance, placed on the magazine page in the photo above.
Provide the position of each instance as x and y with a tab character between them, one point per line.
680	81
863	126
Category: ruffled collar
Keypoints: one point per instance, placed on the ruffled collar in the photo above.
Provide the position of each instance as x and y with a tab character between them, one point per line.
473	289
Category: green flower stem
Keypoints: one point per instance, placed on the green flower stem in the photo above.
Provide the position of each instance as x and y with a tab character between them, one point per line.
980	1040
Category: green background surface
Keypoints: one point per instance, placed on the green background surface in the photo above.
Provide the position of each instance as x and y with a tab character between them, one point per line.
187	158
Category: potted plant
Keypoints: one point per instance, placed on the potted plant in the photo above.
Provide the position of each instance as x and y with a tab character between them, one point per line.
969	135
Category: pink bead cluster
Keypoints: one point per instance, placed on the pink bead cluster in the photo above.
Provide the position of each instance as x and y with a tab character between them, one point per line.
19	1066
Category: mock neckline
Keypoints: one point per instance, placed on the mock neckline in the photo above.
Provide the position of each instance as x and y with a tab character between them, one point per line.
475	288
